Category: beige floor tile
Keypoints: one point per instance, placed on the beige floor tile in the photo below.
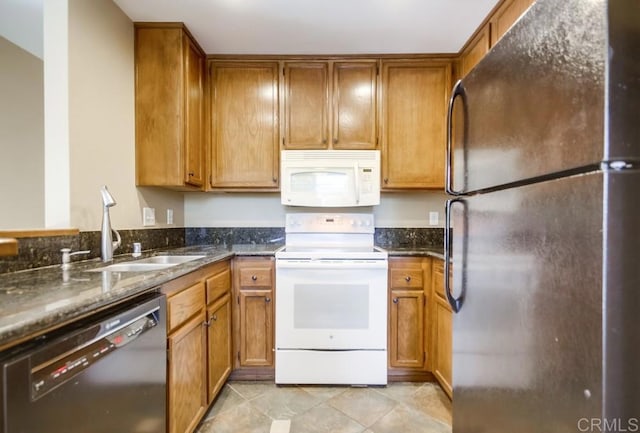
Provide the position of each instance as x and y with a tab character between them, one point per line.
400	391
227	399
243	418
252	389
431	400
285	402
363	405
405	419
324	392
324	419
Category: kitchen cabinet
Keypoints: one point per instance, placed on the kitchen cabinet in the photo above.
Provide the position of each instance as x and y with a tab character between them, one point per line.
198	343
475	50
415	97
253	317
442	330
330	104
169	104
244	125
505	16
409	316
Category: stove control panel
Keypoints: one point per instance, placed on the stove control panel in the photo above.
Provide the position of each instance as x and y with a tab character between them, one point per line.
329	223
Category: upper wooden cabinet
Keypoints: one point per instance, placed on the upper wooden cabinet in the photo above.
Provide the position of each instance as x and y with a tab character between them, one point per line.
169	68
475	50
244	125
505	16
330	104
413	126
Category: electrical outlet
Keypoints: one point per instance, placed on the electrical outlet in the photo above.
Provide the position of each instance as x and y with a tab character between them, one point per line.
434	218
169	216
148	216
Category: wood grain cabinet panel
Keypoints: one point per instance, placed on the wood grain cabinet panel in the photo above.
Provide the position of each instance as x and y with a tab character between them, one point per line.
169	100
244	125
475	50
219	344
186	375
330	104
409	316
505	16
253	317
442	330
415	97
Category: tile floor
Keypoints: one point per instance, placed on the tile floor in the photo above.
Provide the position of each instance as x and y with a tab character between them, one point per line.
252	407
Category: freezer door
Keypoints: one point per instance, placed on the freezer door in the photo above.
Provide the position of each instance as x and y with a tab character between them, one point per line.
527	341
536	104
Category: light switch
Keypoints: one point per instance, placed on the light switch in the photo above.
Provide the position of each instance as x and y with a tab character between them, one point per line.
169	216
434	218
148	216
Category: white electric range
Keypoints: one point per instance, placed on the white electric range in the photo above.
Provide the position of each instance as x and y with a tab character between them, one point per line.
331	309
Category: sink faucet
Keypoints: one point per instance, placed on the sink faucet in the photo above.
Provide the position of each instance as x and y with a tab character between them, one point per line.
108	246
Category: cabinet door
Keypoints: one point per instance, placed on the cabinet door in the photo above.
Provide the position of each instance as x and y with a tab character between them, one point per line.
306	105
475	51
256	328
406	339
186	385
244	125
219	344
506	16
355	105
194	108
443	332
414	106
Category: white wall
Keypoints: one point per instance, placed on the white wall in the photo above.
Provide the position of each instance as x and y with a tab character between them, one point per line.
102	121
21	138
402	209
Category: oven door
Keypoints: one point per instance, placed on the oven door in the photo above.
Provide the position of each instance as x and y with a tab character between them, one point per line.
331	304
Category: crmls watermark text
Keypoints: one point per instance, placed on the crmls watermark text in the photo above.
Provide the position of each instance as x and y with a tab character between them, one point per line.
610	425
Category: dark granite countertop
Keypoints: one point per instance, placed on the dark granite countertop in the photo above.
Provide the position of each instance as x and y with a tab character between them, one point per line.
35	301
416	251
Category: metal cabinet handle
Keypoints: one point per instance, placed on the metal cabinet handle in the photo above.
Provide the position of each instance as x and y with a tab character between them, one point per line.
267	299
458	90
206	324
324	141
214	317
407	278
456	303
191	174
254	278
274	179
335	141
395	300
386	180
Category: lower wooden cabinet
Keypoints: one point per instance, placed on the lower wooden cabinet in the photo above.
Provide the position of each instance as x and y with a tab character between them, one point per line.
442	330
198	343
187	397
409	317
253	317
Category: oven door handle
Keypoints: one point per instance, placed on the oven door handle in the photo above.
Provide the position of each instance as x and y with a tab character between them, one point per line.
331	264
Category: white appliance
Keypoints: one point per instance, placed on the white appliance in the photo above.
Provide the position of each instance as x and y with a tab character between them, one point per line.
331	313
330	178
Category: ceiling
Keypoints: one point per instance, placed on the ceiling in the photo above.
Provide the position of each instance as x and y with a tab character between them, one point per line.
21	23
319	26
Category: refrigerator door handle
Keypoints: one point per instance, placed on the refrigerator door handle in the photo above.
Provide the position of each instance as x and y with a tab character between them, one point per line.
456	303
457	91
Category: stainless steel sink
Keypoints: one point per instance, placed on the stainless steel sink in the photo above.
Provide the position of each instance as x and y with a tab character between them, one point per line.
155	263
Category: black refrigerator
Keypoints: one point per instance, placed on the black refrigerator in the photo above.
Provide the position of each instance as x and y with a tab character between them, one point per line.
543	226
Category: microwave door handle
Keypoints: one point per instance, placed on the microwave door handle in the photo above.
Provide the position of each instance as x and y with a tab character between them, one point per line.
356	171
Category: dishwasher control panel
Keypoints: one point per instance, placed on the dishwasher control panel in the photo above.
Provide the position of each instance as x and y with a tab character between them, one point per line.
54	372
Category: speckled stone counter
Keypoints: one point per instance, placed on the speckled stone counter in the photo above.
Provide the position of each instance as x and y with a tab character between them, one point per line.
416	252
35	301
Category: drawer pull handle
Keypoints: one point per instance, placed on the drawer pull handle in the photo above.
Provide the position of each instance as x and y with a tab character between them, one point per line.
395	300
254	278
267	299
407	278
214	317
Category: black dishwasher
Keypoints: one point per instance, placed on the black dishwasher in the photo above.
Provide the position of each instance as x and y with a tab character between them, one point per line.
106	374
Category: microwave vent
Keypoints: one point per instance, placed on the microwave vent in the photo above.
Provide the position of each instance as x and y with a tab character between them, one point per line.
312	155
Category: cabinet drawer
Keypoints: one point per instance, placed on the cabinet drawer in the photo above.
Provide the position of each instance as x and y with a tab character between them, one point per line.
406	278
183	305
217	285
255	277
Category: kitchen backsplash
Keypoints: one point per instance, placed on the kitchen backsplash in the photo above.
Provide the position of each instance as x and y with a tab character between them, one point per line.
45	251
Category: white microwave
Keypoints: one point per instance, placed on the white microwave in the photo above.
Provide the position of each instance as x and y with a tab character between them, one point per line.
330	178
